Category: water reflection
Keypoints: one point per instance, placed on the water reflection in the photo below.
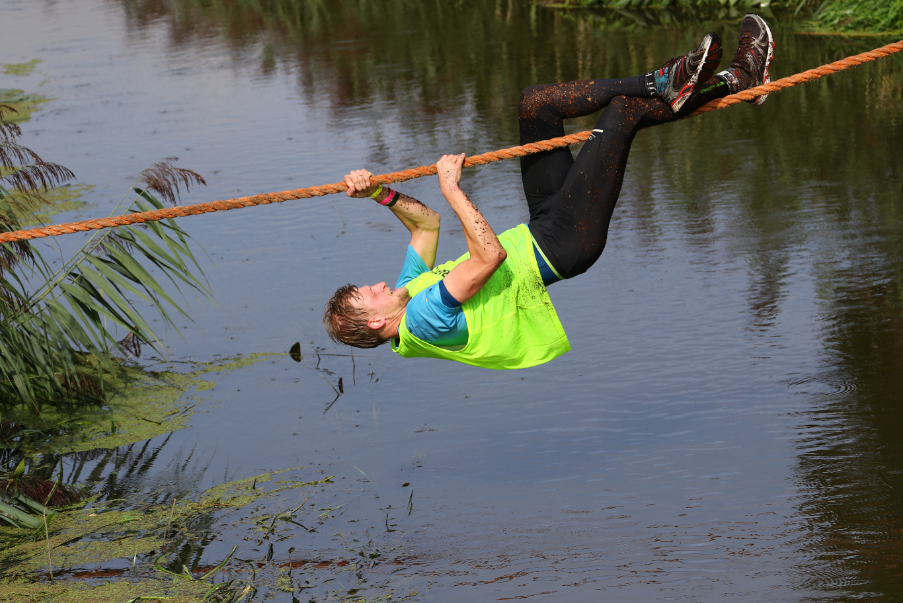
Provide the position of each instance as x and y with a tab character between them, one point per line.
796	189
851	456
800	197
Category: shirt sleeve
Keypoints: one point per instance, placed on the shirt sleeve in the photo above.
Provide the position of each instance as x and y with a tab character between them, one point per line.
412	268
429	319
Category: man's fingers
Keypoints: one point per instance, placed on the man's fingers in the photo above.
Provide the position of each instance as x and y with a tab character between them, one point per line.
357	181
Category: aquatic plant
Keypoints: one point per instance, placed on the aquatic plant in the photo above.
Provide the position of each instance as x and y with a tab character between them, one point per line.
168	540
17	508
833	15
739	4
20	493
64	331
860	15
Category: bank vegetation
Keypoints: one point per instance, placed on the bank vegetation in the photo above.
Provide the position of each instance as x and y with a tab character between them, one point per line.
848	16
72	323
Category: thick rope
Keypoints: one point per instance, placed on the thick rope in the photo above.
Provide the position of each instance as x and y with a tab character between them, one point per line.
428	170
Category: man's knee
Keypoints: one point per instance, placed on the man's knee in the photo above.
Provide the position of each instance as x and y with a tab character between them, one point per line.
620	102
527	106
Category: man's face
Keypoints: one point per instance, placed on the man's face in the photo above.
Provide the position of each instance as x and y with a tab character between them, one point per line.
381	301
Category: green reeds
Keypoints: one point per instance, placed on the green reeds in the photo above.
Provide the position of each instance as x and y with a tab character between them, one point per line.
860	15
875	16
17	509
653	4
65	330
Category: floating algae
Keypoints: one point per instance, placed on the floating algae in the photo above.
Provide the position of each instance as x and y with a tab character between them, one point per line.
54	201
20	68
102	553
82	539
285	528
144	405
24	104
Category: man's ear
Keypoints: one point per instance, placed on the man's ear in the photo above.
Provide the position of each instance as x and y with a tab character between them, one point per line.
376	323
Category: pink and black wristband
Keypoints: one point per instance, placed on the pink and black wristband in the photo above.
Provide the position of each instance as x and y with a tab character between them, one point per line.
390	199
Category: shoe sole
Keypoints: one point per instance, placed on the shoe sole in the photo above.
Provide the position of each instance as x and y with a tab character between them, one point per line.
767	79
687	91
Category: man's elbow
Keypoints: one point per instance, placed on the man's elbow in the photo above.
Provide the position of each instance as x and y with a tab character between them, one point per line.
500	257
431	222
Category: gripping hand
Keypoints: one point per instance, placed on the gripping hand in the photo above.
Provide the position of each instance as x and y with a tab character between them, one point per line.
358	183
449	172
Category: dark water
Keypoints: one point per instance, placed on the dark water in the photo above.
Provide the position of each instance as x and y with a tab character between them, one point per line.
727	424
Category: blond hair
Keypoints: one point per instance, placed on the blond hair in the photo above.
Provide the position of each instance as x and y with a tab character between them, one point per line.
347	322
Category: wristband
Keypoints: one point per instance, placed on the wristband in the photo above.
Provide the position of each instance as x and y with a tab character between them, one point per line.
379	189
390	199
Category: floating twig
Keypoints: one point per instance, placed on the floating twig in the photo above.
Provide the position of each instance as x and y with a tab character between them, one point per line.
47	537
338	393
169	523
331	403
221	564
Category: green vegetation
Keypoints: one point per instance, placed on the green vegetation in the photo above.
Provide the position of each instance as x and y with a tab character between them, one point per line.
142	404
64	330
737	4
860	15
145	404
873	16
67	331
22	104
20	68
164	542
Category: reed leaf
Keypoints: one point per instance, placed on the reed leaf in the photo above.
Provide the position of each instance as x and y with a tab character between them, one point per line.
18	518
64	331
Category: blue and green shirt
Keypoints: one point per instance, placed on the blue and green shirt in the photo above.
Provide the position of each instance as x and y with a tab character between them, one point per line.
433	315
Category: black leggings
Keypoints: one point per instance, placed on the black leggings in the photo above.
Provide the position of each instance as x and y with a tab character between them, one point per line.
572	200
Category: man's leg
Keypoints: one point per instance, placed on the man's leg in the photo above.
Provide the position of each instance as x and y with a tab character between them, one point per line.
573	228
541	112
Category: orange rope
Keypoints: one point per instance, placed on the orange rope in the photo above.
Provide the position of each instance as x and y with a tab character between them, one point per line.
427	170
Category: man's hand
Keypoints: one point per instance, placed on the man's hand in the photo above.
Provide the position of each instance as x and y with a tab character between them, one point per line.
358	183
417	217
449	172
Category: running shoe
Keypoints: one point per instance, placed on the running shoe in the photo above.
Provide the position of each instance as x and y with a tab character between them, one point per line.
751	64
677	79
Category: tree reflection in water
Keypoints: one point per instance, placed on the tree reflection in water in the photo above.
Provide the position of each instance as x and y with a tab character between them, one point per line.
805	188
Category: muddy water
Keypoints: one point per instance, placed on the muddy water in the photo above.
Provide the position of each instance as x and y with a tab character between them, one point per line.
727	423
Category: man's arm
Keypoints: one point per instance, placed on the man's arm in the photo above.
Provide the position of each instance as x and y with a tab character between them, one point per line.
417	217
486	252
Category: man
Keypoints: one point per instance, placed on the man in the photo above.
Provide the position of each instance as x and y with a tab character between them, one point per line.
490	308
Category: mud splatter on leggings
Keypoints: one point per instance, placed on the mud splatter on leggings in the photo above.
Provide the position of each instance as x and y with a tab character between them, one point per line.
572	200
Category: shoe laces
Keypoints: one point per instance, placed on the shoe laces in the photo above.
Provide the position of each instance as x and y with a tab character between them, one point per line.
750	55
675	64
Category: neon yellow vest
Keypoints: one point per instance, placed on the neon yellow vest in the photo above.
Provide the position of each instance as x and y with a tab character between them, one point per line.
511	321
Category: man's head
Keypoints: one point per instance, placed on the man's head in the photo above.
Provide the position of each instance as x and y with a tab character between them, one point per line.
364	317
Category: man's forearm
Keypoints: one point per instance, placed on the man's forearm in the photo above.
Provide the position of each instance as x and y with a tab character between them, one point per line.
420	220
486	252
482	243
412	213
